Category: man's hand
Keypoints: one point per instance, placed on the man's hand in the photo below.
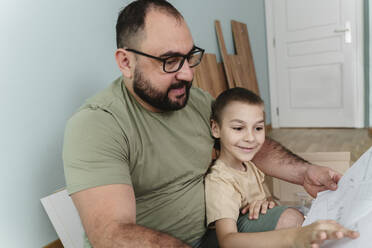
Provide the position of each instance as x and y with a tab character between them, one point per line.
257	207
319	178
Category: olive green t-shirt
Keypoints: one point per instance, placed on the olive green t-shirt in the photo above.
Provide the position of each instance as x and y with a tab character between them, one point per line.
112	139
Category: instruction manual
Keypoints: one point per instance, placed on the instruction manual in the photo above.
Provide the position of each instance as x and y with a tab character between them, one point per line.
350	204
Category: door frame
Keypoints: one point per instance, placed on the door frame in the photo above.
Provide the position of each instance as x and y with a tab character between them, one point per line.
358	64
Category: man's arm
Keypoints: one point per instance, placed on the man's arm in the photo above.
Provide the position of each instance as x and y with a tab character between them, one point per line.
108	214
277	161
309	236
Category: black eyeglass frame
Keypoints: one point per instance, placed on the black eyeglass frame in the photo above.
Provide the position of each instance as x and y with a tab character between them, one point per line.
195	49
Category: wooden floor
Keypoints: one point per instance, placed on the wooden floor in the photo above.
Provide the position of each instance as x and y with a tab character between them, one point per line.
353	140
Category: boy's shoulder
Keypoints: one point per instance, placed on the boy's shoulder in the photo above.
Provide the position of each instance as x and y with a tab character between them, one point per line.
219	170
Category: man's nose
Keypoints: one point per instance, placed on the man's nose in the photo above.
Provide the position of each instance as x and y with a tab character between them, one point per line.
186	73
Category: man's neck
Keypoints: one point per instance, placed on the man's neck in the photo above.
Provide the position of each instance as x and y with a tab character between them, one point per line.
144	104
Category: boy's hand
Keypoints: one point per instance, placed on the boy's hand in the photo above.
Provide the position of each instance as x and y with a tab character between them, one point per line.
256	207
313	235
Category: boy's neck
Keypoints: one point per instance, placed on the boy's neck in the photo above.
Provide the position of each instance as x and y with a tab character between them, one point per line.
236	165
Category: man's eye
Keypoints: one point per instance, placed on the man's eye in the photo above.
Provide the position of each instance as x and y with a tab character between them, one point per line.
259	128
172	61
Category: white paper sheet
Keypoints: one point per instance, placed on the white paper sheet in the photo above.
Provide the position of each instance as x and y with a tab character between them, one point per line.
350	204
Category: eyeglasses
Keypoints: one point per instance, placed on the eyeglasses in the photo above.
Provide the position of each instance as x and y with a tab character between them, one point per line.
174	63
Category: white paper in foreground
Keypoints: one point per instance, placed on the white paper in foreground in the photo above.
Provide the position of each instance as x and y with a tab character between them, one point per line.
350	204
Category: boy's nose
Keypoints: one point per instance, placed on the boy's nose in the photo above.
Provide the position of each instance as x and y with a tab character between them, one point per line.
249	137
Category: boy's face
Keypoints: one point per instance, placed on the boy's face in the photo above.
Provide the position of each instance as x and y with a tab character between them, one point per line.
241	132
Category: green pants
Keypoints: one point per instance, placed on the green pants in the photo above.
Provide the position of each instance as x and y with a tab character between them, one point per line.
265	222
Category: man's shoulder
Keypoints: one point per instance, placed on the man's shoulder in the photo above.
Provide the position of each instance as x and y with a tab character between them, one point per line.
112	100
200	100
198	94
106	97
104	107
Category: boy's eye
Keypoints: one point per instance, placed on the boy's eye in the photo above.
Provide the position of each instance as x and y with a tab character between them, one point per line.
237	128
259	128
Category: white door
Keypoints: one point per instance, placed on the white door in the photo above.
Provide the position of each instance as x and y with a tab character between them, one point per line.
316	62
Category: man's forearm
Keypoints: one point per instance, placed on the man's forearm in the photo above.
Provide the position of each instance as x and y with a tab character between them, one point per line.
277	161
135	236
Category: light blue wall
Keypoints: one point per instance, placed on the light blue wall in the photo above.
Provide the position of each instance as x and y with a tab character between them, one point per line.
53	55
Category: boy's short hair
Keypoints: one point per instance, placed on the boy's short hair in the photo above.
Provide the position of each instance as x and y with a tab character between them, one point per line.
236	94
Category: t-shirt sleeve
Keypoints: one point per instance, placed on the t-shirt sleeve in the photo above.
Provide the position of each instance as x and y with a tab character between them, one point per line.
95	151
222	200
203	104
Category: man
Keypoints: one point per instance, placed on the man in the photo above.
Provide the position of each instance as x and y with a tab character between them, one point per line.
136	153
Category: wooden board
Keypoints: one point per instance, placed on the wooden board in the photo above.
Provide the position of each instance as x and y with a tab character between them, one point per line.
196	79
222	77
239	67
224	55
237	71
55	244
243	50
218	80
209	75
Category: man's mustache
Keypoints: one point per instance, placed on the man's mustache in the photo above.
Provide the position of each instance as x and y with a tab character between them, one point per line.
179	85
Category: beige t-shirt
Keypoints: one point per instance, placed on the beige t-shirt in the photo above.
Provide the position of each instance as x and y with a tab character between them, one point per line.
227	190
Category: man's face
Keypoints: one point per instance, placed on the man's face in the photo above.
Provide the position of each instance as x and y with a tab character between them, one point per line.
164	36
158	98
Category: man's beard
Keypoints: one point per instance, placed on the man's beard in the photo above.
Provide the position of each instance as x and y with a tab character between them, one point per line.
157	99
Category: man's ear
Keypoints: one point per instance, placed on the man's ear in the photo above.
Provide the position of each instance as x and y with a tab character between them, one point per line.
125	62
215	129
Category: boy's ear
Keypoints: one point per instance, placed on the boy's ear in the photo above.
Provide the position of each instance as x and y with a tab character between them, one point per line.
125	61
215	129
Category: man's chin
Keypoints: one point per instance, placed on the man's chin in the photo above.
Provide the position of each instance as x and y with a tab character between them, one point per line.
178	98
178	102
178	105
